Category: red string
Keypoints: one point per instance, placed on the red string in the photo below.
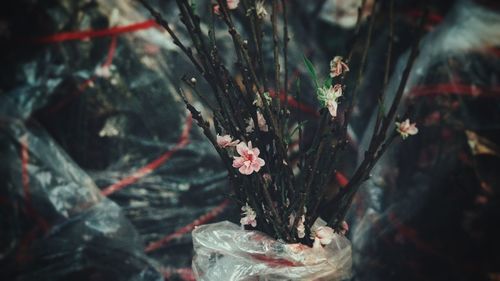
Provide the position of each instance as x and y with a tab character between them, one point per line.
86	34
111	53
24	243
432	18
24	169
454	89
300	106
341	179
410	234
87	83
184	273
182	142
188	228
25	179
274	262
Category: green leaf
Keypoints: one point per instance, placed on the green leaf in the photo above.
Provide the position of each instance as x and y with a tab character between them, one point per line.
295	130
381	108
312	71
328	82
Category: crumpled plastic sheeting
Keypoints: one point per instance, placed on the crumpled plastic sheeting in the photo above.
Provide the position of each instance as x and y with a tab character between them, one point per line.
47	195
110	103
225	251
96	130
425	213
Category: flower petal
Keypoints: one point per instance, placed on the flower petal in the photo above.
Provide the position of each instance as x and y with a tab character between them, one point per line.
241	148
238	162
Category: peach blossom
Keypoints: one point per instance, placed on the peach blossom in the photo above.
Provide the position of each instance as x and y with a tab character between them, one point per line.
249	216
226	141
405	128
330	97
231	4
337	67
248	161
344	228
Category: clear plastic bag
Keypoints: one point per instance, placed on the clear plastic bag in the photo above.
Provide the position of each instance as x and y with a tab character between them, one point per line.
428	206
225	251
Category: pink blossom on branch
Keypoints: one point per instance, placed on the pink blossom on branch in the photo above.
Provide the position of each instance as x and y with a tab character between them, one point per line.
344	228
248	161
337	67
406	128
231	4
249	216
226	141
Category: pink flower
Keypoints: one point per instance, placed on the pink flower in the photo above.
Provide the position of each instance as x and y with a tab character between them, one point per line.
216	9
322	235
344	228
337	67
231	4
249	216
226	141
406	128
330	96
248	161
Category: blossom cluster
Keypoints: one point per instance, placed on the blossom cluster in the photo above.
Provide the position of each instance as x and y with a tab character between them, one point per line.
329	94
260	9
248	160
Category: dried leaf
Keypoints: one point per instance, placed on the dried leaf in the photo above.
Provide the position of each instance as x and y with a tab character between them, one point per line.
481	145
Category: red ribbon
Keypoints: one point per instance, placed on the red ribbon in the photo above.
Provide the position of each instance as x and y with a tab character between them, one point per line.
86	34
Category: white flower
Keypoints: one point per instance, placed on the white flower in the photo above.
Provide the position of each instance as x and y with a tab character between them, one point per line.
103	71
258	101
301	229
260	9
249	216
330	96
226	141
322	235
261	121
406	128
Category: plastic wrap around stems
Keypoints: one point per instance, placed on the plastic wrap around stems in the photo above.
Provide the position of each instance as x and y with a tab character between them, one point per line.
225	251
